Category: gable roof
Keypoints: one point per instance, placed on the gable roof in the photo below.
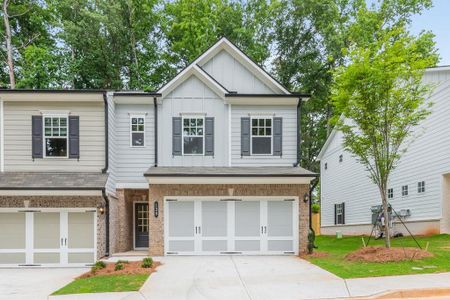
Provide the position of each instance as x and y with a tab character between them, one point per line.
233	50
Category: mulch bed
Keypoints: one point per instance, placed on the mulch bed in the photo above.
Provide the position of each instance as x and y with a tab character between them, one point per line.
130	268
382	254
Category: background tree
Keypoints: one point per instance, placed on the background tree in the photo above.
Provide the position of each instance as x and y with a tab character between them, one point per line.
380	94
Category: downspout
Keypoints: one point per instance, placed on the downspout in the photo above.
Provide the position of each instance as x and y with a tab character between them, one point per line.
106	221
312	233
105	101
299	136
155	108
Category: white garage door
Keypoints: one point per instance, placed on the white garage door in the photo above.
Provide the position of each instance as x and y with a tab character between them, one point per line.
47	237
222	226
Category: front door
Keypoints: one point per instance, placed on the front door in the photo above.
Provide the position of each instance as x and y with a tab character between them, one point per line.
141	225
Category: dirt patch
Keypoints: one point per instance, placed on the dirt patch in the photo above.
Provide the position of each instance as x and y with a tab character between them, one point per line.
315	254
382	254
130	268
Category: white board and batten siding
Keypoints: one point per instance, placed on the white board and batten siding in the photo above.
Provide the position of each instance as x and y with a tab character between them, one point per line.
427	159
17	137
233	75
192	97
289	135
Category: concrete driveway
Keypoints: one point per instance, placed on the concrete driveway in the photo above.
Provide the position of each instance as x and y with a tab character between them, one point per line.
241	278
27	283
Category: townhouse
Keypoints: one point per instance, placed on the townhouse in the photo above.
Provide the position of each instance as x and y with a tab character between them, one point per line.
208	164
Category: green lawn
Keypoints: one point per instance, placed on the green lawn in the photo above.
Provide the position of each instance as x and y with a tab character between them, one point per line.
338	248
103	284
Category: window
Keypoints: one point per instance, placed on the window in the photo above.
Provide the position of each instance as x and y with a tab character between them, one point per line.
193	133
261	134
137	131
405	190
390	193
341	158
326	166
421	187
340	214
55	135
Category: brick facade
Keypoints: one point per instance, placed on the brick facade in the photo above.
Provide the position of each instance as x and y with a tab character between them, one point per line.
63	202
159	191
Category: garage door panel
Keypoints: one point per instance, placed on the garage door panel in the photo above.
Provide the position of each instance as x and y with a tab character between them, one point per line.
80	230
46	230
81	258
181	246
218	245
12	233
46	258
247	218
275	245
214	219
279	218
181	219
12	258
248	245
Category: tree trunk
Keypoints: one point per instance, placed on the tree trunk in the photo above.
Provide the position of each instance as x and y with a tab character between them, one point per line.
387	230
9	50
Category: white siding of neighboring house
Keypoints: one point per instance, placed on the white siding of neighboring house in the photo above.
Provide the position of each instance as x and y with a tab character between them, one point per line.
427	159
192	96
289	138
131	162
17	140
233	75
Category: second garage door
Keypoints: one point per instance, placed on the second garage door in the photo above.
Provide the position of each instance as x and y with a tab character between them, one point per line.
224	226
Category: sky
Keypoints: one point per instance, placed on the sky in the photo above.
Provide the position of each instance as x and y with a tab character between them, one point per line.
437	19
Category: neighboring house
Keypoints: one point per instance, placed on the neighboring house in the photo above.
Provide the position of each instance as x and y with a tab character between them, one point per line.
53	165
419	188
208	164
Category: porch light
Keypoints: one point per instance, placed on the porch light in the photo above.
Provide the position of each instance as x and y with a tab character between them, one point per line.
306	198
156	209
101	209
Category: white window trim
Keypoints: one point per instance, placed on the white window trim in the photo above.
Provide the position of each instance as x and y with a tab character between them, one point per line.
44	146
131	131
407	190
424	187
271	134
340	206
192	116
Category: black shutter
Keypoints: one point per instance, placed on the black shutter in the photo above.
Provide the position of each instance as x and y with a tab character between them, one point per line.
245	136
343	212
36	137
335	214
74	137
277	136
176	136
209	136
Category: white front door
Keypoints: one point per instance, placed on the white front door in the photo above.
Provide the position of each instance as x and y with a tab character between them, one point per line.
49	237
246	225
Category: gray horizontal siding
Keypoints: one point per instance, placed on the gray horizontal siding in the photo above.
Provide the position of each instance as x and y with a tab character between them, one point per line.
289	139
111	183
132	162
17	138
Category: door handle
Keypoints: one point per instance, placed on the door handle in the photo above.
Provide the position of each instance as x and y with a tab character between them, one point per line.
262	229
62	242
65	241
199	229
195	229
265	229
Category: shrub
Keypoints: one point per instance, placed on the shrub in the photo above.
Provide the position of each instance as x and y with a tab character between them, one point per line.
147	262
118	267
315	208
100	264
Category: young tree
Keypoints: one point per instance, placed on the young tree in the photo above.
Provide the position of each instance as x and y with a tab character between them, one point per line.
380	94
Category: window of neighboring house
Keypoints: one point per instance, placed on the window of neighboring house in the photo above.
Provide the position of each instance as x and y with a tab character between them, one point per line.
340	216
421	187
341	158
326	166
404	190
390	193
193	135
261	136
137	124
55	136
